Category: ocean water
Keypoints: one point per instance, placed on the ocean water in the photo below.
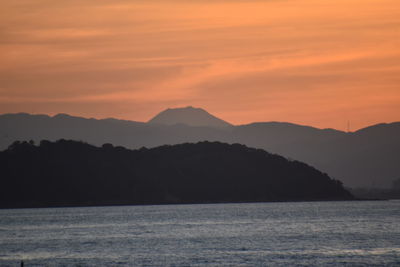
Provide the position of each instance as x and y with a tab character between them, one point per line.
353	233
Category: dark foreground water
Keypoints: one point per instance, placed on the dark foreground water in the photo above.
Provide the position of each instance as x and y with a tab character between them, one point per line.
356	233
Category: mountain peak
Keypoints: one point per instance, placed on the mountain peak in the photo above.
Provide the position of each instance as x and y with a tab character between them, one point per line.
190	116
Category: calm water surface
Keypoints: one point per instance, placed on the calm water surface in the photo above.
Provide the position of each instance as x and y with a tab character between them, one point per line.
356	233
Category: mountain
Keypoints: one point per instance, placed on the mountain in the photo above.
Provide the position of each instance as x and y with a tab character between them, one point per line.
365	158
189	116
66	173
130	134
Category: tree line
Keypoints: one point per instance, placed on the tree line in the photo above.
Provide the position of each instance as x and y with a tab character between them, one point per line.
73	173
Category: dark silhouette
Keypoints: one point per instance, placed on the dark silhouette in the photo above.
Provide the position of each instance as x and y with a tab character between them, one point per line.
189	116
365	158
66	173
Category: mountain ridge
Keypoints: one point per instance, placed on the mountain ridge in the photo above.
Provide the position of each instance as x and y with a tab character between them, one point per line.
65	115
364	158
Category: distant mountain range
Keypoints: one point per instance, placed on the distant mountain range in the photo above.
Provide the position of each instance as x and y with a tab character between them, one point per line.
366	158
66	173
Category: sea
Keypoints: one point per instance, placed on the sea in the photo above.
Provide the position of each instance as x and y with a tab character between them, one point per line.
340	233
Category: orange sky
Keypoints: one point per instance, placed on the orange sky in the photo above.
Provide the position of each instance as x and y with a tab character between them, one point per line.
311	62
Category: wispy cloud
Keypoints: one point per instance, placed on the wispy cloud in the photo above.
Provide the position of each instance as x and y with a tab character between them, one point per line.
306	61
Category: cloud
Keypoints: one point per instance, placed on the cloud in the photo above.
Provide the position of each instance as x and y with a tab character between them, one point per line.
244	60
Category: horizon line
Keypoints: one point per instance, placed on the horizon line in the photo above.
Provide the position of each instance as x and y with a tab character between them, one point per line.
233	125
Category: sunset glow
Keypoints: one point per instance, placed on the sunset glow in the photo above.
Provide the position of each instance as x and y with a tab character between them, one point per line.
312	62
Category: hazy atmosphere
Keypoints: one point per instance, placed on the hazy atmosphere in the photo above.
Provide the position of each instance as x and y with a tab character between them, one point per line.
318	63
199	133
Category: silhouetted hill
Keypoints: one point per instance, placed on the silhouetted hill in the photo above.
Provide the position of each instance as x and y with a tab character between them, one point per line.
365	158
76	173
189	116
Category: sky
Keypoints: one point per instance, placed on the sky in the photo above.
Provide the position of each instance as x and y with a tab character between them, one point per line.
311	62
